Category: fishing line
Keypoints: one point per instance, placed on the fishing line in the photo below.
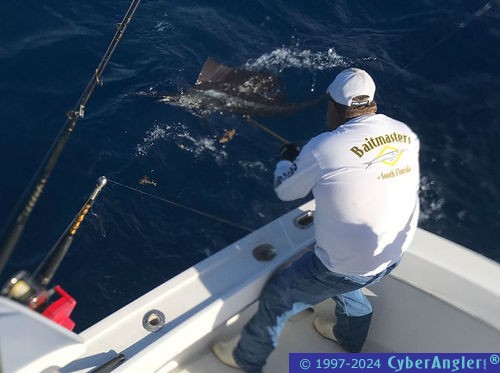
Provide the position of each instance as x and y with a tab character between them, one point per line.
478	13
176	204
99	220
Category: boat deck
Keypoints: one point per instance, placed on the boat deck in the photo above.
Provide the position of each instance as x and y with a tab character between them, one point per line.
299	325
418	323
427	304
441	298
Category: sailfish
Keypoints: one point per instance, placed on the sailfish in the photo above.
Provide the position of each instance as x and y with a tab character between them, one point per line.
220	88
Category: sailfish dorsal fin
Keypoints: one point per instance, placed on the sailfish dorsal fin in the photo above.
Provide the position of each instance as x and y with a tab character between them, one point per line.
250	85
213	72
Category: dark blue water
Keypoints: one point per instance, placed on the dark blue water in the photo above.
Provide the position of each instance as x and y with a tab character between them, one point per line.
435	62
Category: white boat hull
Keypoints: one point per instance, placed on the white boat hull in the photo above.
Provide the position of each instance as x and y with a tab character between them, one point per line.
442	298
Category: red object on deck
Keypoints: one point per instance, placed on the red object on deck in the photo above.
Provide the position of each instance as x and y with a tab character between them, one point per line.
60	310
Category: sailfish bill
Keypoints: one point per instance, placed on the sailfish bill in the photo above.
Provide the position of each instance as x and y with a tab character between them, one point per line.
220	88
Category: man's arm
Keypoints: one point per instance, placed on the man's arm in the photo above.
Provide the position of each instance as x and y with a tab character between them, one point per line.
294	180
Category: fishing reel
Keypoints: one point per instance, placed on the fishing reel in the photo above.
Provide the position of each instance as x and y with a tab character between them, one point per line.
23	289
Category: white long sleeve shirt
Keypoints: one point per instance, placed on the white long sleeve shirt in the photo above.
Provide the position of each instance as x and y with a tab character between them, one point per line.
364	177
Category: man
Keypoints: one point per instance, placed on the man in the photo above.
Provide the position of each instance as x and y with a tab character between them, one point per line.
364	175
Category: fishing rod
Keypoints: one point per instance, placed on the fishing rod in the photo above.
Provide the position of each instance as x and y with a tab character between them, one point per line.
265	129
31	290
36	187
46	270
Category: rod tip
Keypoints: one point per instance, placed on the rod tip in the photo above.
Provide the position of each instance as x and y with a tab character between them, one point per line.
102	181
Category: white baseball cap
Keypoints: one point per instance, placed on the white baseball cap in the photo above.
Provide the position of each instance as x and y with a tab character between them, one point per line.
349	85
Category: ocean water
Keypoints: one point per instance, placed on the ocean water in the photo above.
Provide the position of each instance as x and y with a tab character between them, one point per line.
435	64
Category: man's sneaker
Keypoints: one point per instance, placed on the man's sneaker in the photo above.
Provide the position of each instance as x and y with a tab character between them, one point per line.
224	351
325	328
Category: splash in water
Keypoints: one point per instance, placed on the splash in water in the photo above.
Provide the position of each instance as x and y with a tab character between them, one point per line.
179	135
287	57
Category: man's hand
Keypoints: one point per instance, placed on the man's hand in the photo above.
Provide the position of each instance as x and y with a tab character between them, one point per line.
289	152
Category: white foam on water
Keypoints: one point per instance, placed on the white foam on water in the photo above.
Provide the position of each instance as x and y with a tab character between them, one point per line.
149	91
208	146
286	57
431	201
179	134
254	170
164	25
149	140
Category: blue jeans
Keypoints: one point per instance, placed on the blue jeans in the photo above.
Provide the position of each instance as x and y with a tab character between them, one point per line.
305	283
